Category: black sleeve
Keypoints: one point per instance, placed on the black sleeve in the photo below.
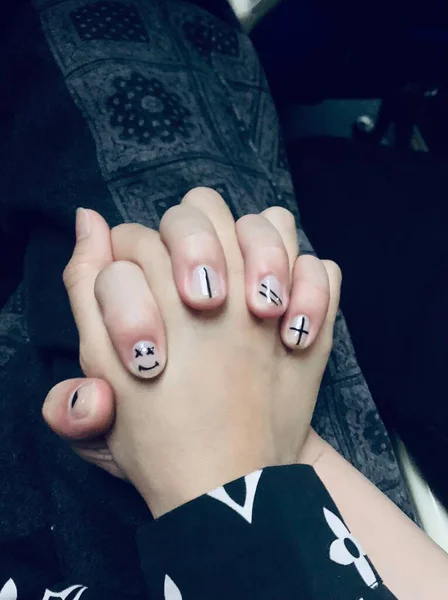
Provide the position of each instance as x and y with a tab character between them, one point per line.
274	534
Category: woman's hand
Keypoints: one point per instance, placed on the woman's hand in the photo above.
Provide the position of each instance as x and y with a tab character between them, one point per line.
231	398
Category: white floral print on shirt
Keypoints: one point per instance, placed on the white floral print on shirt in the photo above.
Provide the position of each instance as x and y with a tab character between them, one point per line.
346	550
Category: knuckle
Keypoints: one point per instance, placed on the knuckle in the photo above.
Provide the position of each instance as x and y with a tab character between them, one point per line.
209	202
245	222
282	216
333	270
92	362
125	229
117	269
202	194
146	243
124	235
75	273
198	243
122	323
326	340
170	215
84	359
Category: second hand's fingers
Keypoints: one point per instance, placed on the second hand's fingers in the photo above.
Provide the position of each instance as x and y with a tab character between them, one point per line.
197	257
284	222
132	318
335	281
308	306
266	266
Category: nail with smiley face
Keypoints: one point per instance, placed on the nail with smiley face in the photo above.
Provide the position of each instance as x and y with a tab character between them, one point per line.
145	359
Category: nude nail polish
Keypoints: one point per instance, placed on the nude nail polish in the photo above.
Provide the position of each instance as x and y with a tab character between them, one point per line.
299	331
205	283
80	402
145	359
269	292
83	226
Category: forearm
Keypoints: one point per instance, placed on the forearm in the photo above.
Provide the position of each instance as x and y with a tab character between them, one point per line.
411	565
282	538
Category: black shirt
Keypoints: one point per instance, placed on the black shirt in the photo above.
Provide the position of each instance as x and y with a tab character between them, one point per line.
273	534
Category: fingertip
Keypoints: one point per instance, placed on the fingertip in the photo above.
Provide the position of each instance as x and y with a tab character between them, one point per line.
308	304
266	267
148	361
203	287
79	408
197	257
297	333
132	318
266	296
334	273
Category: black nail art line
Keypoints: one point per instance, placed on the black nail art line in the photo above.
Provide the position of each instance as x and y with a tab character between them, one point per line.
263	285
270	299
147	350
301	331
140	368
207	281
74	399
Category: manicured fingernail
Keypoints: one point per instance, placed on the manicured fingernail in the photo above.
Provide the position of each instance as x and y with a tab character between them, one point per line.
299	331
205	283
145	359
80	402
270	292
82	224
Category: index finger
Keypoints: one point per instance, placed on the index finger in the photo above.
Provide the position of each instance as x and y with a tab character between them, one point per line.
92	253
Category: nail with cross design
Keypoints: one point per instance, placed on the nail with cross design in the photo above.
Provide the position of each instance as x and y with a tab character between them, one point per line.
269	292
298	332
145	359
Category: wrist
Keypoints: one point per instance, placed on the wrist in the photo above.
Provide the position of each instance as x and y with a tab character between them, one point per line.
312	449
170	496
183	487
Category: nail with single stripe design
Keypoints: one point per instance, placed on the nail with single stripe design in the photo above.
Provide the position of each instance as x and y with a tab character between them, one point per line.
205	283
270	292
74	399
81	401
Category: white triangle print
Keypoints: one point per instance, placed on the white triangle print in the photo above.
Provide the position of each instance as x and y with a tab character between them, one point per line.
246	510
172	592
49	595
8	591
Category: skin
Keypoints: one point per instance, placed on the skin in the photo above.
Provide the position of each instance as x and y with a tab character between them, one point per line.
222	427
176	442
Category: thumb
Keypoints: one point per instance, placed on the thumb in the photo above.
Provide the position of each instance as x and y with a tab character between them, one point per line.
79	409
82	411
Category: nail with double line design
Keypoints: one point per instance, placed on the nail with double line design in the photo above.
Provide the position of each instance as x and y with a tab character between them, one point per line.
269	292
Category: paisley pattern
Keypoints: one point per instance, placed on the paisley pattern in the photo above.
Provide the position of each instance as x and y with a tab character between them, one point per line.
164	120
141	109
109	21
176	99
